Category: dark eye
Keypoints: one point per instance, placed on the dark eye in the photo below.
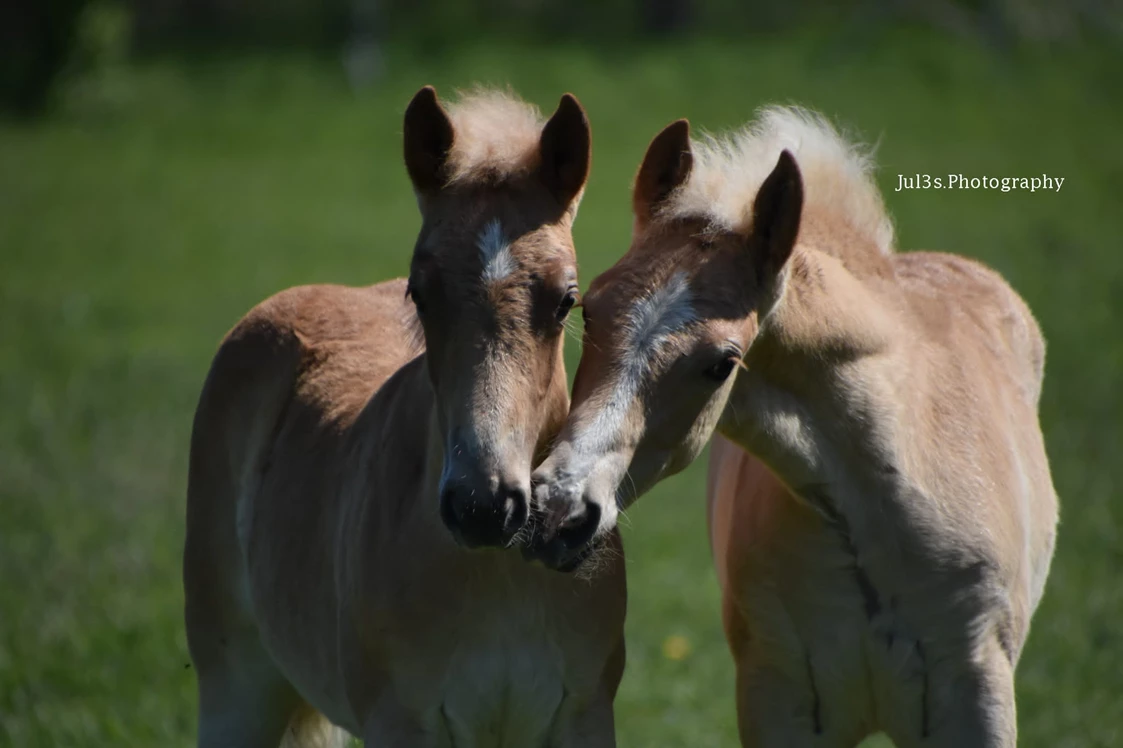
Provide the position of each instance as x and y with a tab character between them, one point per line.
568	301
720	371
415	296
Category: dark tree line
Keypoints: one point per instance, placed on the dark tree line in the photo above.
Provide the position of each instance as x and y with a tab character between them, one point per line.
37	37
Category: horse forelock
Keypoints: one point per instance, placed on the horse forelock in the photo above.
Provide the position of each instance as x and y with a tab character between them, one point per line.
496	137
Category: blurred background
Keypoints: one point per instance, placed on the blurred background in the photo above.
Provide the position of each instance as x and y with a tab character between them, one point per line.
166	164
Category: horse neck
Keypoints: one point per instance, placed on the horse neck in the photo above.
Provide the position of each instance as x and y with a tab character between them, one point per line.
815	402
399	448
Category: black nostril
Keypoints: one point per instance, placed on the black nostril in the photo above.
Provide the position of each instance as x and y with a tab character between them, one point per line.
449	505
574	540
516	509
580	525
479	518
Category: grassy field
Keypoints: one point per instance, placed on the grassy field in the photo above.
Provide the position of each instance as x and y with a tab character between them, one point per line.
139	223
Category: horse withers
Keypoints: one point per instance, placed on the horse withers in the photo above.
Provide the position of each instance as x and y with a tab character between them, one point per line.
352	446
882	515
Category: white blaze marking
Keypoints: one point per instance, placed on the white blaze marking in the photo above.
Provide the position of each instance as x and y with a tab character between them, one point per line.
655	317
651	320
597	447
495	252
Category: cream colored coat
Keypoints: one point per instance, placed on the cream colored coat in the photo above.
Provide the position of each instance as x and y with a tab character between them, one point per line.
881	509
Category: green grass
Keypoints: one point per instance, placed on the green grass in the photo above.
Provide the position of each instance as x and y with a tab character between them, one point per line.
135	229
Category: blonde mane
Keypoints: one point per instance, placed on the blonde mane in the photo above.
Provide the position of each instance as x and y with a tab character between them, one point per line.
496	136
837	175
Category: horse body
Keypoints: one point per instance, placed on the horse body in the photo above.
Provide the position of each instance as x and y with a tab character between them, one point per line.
881	511
323	585
314	458
899	556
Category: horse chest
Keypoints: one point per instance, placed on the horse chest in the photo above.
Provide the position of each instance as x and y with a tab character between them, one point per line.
486	662
502	692
813	630
482	680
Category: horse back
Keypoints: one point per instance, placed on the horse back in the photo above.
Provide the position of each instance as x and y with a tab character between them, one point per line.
948	293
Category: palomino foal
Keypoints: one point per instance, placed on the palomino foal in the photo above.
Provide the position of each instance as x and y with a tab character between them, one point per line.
882	512
343	462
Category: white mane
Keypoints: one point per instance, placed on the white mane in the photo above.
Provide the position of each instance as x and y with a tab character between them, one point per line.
837	175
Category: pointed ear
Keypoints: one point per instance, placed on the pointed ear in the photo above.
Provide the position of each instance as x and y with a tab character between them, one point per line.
566	150
776	213
427	139
664	169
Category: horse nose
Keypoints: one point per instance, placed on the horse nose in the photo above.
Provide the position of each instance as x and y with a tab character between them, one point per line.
567	528
561	505
573	542
479	518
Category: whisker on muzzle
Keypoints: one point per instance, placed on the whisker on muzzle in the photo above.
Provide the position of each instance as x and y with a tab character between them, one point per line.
600	557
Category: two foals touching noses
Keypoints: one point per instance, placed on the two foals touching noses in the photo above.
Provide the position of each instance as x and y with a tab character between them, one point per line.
402	526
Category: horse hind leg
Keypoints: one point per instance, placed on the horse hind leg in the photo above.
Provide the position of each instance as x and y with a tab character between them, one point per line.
244	702
244	699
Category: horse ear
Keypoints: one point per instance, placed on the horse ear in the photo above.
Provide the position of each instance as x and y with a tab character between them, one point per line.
427	139
665	167
565	147
776	215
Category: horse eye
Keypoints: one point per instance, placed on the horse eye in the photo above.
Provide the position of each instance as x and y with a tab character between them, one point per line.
415	296
720	371
568	301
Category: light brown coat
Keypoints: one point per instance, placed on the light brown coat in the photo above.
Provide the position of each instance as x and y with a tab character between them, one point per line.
342	447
